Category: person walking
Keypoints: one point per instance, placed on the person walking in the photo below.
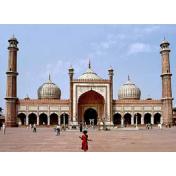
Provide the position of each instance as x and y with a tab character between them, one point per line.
57	130
85	140
4	128
148	126
34	128
80	127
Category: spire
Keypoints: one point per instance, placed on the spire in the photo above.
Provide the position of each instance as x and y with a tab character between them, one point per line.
128	77
49	77
71	67
110	68
89	64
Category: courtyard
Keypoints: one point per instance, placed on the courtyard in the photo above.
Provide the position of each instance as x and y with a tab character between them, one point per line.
116	140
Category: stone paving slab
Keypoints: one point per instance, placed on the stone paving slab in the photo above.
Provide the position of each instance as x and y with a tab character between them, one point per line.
45	140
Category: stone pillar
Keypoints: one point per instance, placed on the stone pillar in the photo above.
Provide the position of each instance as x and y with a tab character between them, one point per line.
132	120
59	119
37	120
48	120
152	120
48	115
142	120
122	122
27	120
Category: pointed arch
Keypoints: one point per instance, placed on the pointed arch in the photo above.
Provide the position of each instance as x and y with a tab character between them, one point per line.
127	119
32	118
64	118
53	119
22	118
157	118
43	119
117	119
147	118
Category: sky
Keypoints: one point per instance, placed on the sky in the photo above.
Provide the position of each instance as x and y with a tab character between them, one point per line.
130	49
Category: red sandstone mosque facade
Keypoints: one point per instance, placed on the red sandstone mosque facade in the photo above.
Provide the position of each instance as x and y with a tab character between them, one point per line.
91	99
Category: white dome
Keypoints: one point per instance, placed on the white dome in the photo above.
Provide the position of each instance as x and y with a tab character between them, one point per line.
129	91
89	74
49	90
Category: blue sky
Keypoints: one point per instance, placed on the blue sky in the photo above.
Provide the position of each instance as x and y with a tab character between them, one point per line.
129	49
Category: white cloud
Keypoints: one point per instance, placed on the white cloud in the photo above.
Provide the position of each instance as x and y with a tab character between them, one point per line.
110	41
151	29
139	48
55	69
116	37
60	68
145	30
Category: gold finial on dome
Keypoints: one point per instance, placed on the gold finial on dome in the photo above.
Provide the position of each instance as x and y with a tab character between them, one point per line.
89	64
49	77
128	77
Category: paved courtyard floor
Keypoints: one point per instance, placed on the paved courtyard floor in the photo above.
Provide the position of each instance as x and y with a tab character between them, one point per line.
129	140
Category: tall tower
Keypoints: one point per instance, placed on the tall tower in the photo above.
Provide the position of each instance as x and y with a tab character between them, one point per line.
111	74
11	90
166	82
71	73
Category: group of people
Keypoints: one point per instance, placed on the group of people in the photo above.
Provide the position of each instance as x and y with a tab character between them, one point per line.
3	126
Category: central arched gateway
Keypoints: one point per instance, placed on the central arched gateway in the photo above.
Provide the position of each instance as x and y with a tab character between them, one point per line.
90	116
90	106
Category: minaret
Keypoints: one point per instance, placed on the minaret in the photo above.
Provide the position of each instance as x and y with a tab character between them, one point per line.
166	82
111	74
11	90
71	73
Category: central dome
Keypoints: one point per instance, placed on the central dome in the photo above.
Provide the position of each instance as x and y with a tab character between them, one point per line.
90	74
129	91
49	90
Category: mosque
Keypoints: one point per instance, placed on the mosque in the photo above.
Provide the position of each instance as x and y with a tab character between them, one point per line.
90	99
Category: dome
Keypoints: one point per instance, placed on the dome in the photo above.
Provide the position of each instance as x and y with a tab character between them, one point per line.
89	74
129	91
49	90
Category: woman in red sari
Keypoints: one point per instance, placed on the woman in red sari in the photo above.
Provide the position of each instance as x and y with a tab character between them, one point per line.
85	140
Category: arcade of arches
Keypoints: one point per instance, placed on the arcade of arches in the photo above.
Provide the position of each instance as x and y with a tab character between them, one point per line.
43	119
128	119
90	115
90	107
